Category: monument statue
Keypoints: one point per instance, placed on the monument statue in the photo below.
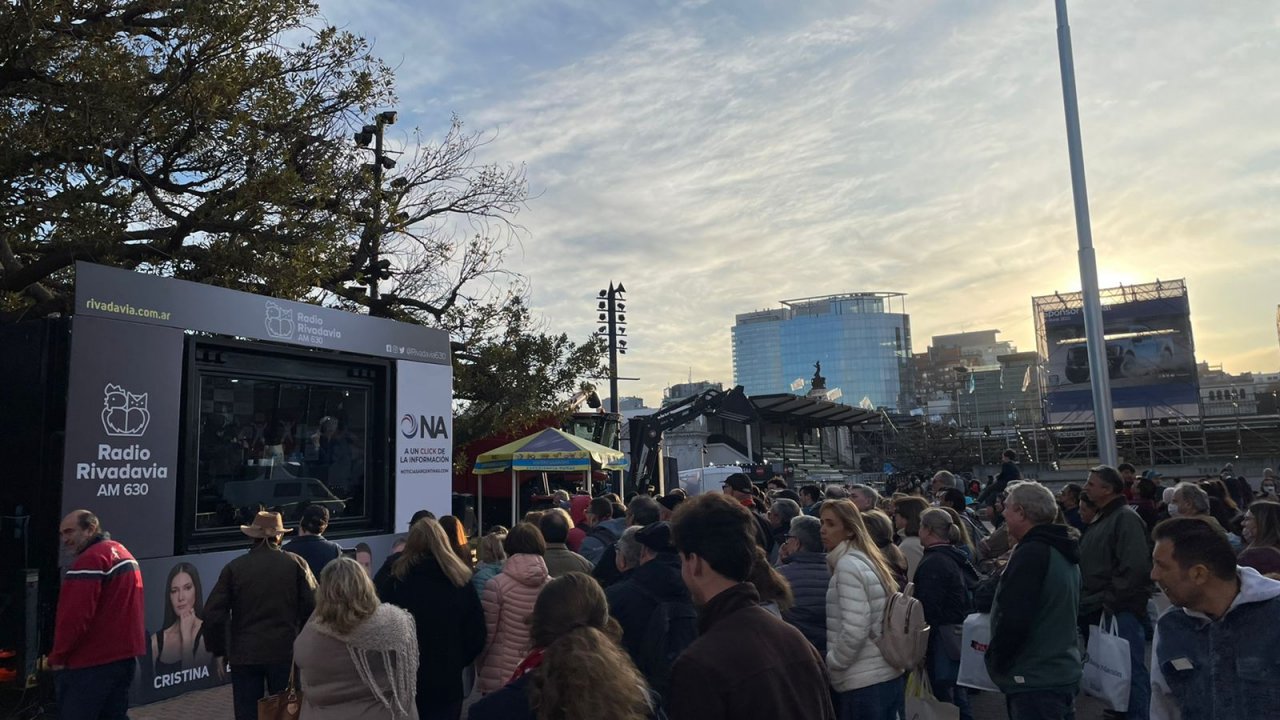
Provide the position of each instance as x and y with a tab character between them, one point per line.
819	382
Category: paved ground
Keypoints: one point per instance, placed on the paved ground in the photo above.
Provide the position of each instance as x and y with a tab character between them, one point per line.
215	704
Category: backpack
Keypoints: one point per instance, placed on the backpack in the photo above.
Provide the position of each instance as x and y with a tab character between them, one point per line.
672	627
904	637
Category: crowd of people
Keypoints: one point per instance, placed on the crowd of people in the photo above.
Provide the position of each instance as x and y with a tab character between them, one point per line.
754	602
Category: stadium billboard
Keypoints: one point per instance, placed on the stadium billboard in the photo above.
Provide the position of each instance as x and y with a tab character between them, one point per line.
1150	353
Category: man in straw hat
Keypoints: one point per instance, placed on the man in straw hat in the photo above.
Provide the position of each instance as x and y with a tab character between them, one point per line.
259	605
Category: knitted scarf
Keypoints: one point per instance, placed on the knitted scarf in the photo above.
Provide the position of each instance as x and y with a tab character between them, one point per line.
391	633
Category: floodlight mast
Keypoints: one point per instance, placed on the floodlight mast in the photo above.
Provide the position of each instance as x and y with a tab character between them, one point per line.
1099	377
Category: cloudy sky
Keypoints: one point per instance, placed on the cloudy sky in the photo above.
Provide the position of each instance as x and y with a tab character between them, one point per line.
720	156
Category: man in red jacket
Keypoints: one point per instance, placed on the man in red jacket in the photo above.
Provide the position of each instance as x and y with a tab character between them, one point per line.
99	631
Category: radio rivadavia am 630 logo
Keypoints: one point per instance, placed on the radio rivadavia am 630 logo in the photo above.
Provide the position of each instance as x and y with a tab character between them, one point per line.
124	414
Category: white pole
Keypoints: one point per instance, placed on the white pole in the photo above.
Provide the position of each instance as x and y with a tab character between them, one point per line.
1099	378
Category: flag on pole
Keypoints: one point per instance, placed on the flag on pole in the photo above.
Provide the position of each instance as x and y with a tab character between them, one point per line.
1026	379
972	385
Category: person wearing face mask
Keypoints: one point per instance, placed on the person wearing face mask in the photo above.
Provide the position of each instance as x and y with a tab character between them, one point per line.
1268	488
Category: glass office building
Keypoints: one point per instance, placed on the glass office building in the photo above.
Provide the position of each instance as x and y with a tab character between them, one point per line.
863	341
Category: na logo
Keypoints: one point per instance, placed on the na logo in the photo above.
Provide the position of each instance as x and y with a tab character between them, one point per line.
279	321
123	413
423	426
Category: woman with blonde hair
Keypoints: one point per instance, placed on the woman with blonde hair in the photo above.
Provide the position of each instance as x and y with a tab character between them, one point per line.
965	540
434	585
358	657
457	536
491	555
866	686
577	669
508	601
944	584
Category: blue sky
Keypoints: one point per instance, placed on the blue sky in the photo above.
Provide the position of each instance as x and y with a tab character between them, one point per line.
717	157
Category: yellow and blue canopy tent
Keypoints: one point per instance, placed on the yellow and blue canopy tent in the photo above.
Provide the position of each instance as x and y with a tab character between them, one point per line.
549	450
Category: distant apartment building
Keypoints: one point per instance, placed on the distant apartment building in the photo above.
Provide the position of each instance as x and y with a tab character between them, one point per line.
861	340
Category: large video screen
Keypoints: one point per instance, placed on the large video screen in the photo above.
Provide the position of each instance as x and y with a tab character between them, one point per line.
281	432
1150	357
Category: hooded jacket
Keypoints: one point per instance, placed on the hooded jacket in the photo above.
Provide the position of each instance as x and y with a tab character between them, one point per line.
1224	669
594	544
508	602
1033	619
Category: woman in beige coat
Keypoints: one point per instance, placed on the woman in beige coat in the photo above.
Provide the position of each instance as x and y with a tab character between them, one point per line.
358	657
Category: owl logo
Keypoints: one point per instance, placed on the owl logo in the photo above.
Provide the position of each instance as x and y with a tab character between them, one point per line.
279	321
123	413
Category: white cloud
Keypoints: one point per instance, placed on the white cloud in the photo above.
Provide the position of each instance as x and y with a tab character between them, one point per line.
718	159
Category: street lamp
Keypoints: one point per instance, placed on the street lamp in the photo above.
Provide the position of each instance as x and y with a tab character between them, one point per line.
376	268
1099	379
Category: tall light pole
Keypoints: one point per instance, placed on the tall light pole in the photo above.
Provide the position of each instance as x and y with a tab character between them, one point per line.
376	268
1099	378
612	312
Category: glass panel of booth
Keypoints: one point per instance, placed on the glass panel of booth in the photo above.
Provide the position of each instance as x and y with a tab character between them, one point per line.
280	445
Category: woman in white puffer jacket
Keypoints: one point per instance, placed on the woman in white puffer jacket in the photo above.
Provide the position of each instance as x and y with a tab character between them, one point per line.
867	687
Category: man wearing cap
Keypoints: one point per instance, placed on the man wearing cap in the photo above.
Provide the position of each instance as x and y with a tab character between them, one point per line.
738	486
654	581
99	633
260	603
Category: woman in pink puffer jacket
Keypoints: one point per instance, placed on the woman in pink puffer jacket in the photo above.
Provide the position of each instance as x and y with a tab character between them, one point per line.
508	602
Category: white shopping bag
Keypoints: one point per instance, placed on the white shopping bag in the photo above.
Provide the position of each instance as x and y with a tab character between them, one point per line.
921	703
1107	668
973	653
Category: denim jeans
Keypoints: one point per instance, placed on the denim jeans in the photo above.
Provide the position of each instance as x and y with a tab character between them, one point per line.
247	686
1041	705
1140	678
100	692
882	701
943	672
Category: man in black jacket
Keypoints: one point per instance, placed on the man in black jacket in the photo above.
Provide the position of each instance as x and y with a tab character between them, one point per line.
311	544
746	662
633	600
1008	473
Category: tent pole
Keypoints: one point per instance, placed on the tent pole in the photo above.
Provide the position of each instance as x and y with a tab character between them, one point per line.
479	506
513	495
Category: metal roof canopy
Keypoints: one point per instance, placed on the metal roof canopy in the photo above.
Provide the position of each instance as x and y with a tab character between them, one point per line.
786	409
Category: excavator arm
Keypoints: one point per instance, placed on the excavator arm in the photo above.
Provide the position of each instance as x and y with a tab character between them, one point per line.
646	431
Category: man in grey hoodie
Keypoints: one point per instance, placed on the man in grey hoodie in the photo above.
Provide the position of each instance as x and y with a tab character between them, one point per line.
1214	653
